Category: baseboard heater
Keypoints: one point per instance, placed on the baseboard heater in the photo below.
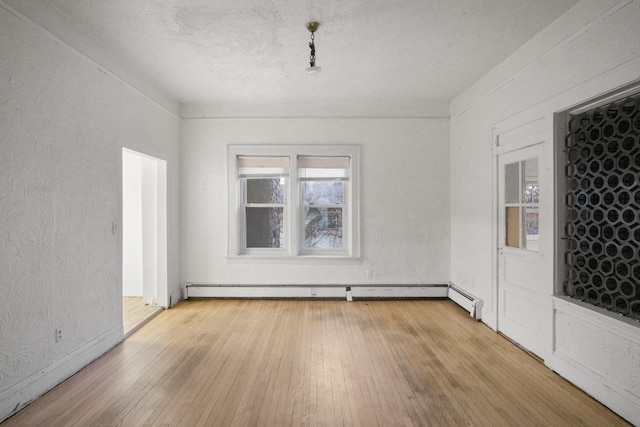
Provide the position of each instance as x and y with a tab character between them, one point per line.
467	301
348	292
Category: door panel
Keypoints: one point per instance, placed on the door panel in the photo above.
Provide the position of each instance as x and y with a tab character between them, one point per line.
521	309
522	273
520	286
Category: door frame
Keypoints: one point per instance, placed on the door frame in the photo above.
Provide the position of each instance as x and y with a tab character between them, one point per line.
159	253
531	340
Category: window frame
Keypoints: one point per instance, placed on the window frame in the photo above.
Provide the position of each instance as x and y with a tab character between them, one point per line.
242	214
344	206
294	233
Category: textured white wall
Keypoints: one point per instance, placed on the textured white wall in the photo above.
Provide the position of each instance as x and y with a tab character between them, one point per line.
582	45
63	123
404	204
132	271
150	236
593	48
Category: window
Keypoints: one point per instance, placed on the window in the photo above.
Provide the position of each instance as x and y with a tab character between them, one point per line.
263	204
324	184
293	201
522	200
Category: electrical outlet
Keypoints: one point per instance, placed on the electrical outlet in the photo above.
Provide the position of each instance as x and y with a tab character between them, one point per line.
59	335
369	274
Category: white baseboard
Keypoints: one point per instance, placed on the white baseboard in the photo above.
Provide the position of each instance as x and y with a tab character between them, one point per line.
600	388
599	352
175	297
21	394
202	291
489	318
417	291
323	291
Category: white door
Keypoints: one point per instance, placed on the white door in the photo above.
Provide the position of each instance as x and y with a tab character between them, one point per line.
520	287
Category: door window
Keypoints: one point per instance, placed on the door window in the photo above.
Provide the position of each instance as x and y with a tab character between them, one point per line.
522	198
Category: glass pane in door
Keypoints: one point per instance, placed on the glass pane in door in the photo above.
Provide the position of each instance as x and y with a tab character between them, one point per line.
531	187
531	228
521	198
512	183
512	224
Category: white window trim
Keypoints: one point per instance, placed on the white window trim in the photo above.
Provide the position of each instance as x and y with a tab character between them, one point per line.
242	205
294	237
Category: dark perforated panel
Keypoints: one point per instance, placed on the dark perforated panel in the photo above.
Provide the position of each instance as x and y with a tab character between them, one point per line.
603	207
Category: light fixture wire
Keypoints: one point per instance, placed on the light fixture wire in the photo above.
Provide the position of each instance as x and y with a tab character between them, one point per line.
312	46
313	68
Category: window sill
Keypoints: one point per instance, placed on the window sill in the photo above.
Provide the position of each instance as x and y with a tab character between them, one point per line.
300	259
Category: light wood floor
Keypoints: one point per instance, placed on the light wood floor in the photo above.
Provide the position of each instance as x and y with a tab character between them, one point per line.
331	363
135	313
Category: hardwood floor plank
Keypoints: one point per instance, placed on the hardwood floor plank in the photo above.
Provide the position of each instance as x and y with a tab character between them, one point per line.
135	313
315	363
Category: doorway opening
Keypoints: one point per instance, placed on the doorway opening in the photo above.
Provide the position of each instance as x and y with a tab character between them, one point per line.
144	238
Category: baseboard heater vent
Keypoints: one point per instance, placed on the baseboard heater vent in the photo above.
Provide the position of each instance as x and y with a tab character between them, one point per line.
467	301
335	291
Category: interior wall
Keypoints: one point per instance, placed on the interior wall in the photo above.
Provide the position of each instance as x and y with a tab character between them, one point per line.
558	61
149	212
63	123
591	49
132	271
404	204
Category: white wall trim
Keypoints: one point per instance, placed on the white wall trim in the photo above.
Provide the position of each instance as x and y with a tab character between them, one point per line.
206	290
489	318
616	396
618	78
429	291
613	323
175	297
597	386
19	395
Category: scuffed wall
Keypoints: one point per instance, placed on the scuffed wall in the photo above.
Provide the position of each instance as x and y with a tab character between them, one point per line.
63	123
404	199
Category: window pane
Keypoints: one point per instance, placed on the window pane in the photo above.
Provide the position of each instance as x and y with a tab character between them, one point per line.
323	192
532	193
265	190
323	228
531	190
265	227
512	182
512	227
531	228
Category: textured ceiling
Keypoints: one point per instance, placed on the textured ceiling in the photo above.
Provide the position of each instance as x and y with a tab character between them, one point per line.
222	51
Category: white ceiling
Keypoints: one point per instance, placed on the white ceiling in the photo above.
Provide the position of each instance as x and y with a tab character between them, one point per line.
234	51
